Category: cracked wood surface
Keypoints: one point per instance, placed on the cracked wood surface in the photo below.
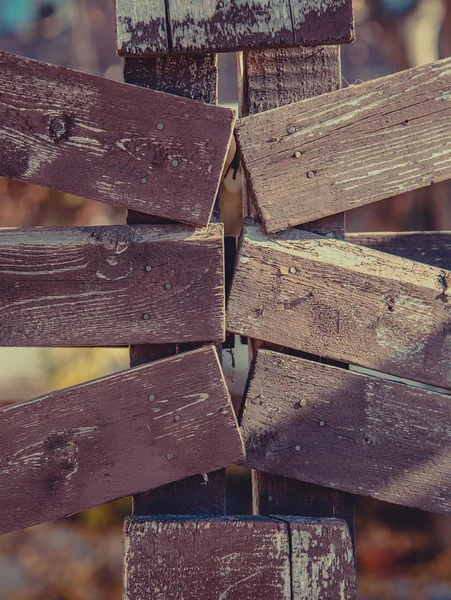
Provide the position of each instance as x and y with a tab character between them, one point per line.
429	247
349	148
202	26
230	558
118	285
341	429
111	142
80	447
345	302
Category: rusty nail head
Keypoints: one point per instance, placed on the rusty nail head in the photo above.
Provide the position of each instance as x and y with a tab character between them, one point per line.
291	129
146	317
151	397
160	126
167	286
311	174
169	456
298	448
175	163
322	423
148	268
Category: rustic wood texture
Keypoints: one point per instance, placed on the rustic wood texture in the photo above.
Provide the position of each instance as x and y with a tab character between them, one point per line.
111	286
301	161
111	142
352	304
119	435
276	78
199	26
341	429
194	77
429	247
238	558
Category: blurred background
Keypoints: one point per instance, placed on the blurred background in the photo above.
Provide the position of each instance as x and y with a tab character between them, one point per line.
403	554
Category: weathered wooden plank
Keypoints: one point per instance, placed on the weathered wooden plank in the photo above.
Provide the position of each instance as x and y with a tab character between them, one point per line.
119	435
429	247
341	429
154	152
345	149
352	304
116	285
141	27
200	26
255	557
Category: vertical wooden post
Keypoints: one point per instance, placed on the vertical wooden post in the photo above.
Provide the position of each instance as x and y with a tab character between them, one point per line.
194	77
270	79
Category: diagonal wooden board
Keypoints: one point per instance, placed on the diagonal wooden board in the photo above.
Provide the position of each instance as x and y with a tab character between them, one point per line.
112	437
147	27
349	148
341	429
275	558
110	141
352	304
118	285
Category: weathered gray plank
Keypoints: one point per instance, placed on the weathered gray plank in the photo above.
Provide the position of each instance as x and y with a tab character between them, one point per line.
352	304
350	147
141	27
345	430
97	286
231	558
201	26
154	152
429	247
119	435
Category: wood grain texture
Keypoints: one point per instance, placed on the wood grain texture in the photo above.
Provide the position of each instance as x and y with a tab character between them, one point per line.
141	27
352	304
429	247
236	558
97	286
349	431
111	142
200	26
349	148
142	428
276	78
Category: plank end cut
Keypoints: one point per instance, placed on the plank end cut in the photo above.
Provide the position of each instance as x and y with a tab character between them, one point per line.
152	27
350	147
113	285
345	302
345	430
276	558
116	436
118	143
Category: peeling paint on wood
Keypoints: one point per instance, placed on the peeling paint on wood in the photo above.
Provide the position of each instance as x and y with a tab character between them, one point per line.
352	304
109	141
300	160
235	558
90	444
203	26
95	286
429	247
336	428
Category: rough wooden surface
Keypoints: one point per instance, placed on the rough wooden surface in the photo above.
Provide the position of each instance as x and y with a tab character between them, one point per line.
238	558
352	304
230	25
194	77
429	247
116	285
342	429
119	435
301	162
111	142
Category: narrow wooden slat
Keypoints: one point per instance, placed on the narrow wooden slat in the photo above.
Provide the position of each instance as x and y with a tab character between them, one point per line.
109	438
200	26
335	299
270	558
345	149
111	142
141	27
342	429
116	285
429	247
